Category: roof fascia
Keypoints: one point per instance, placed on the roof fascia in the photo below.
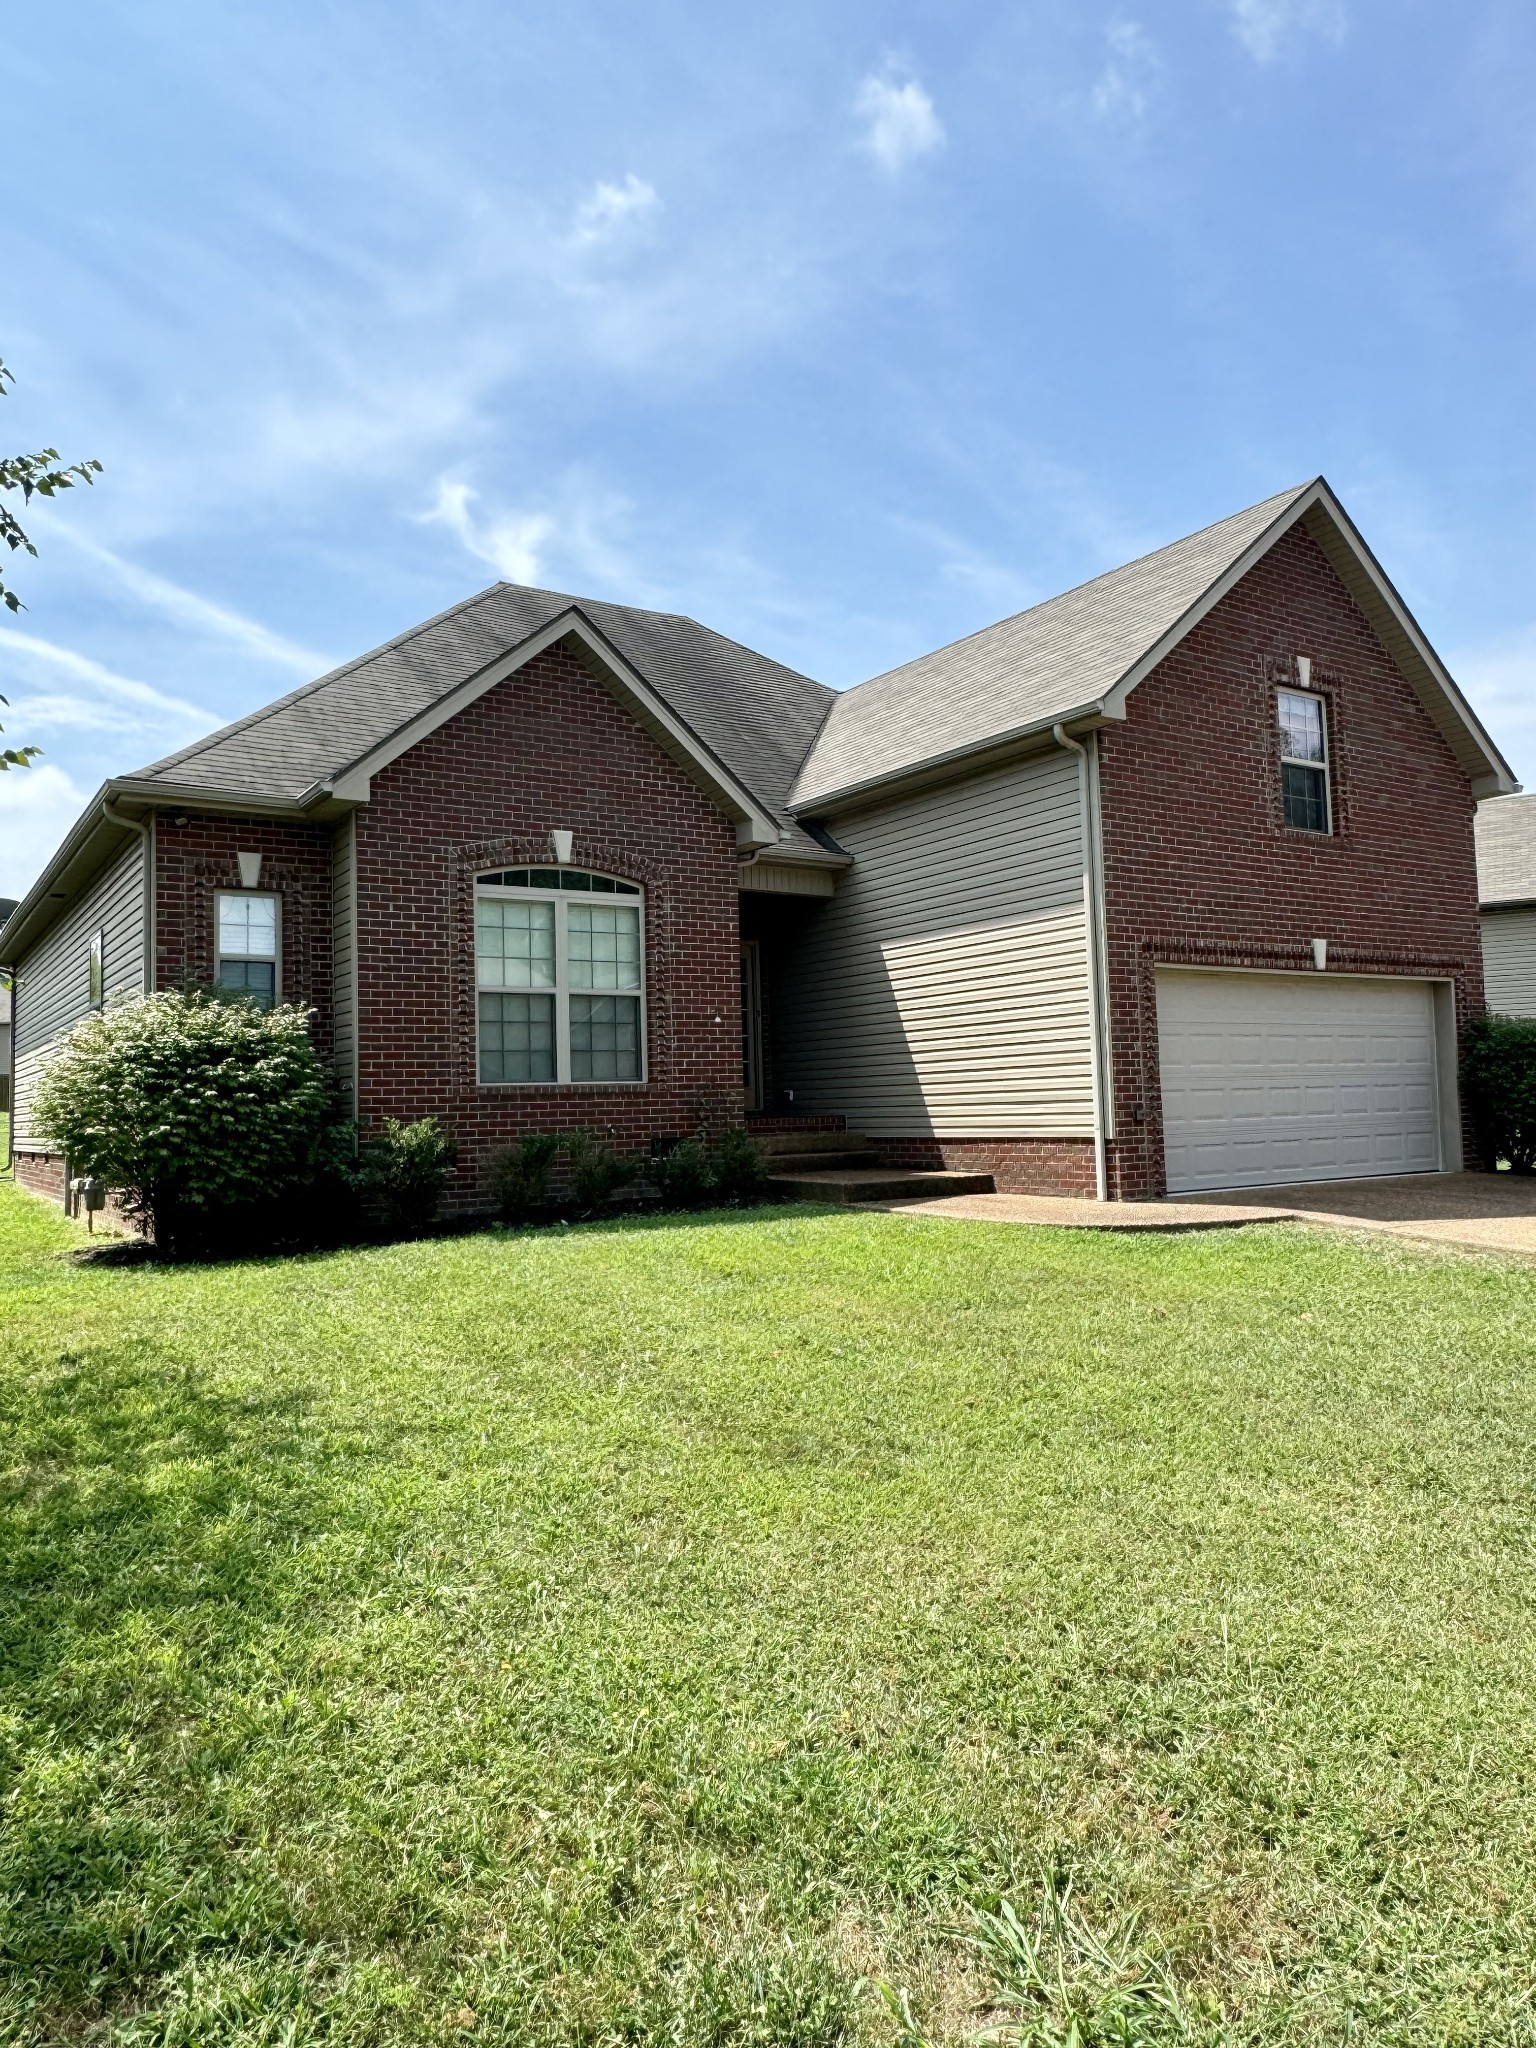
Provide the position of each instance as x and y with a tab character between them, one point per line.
971	759
1400	632
76	855
755	827
1487	770
95	836
1233	574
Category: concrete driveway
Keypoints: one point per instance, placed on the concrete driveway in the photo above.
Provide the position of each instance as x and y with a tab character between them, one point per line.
1491	1211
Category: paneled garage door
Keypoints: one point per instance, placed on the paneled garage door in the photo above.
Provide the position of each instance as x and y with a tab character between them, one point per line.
1274	1078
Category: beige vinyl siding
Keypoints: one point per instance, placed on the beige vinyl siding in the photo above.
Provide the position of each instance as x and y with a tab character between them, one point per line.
344	954
787	878
1509	961
945	988
53	987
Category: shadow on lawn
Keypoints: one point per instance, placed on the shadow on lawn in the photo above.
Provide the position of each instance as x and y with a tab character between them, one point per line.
149	1531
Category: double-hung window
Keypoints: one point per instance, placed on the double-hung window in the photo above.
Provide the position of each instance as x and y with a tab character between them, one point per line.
559	974
247	946
1304	761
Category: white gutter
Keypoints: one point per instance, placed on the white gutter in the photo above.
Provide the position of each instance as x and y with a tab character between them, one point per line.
1063	738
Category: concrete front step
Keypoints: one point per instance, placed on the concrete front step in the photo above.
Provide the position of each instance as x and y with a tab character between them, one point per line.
801	1144
846	1158
876	1184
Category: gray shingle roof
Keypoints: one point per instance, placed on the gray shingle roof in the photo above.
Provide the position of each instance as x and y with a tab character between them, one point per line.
1038	666
1506	849
755	715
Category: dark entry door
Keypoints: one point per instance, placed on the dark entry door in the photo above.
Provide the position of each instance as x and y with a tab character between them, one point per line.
751	1025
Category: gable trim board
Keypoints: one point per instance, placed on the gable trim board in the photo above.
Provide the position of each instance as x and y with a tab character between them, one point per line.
754	827
822	786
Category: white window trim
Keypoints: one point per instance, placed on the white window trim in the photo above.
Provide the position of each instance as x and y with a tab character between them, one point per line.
96	969
220	956
1297	761
562	990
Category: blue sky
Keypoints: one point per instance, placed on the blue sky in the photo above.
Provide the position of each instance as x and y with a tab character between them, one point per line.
846	328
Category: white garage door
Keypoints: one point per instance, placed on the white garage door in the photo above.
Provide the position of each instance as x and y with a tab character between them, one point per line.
1274	1078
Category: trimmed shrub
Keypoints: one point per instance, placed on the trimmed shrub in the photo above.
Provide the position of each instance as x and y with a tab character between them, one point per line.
683	1177
1498	1079
198	1111
741	1173
520	1176
597	1171
401	1173
697	1175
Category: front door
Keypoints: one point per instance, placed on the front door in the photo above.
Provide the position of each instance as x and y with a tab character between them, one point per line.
751	1025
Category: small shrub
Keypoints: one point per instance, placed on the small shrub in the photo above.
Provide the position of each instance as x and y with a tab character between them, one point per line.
520	1176
741	1173
198	1111
685	1176
1498	1077
597	1171
401	1174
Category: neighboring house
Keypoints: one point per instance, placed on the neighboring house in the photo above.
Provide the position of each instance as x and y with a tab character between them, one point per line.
1167	883
1506	875
7	905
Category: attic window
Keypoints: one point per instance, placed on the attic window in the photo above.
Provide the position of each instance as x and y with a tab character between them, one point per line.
1304	761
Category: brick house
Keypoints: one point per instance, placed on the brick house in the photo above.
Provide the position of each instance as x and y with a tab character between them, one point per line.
1165	884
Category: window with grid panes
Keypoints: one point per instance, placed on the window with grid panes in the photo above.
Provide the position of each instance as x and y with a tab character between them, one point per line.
559	973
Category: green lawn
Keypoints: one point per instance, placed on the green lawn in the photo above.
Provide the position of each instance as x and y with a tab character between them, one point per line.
645	1633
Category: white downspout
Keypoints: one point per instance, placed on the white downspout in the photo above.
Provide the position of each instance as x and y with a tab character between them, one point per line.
1063	738
147	836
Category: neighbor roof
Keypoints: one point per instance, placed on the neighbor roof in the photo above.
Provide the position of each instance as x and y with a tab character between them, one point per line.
755	715
1506	850
1079	655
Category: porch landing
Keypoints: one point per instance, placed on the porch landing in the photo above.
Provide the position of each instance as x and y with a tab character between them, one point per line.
818	1162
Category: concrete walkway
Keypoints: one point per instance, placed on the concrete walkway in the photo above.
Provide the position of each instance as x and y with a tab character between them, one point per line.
1491	1211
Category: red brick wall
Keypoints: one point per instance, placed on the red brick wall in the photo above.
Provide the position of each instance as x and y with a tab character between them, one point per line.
196	858
1199	867
548	749
1019	1166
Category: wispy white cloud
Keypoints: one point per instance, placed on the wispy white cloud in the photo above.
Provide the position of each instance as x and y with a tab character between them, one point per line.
610	211
199	614
576	530
899	121
510	544
37	807
1123	87
140	701
1266	28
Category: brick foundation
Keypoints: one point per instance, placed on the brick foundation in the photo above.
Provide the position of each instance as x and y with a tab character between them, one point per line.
1020	1166
43	1173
